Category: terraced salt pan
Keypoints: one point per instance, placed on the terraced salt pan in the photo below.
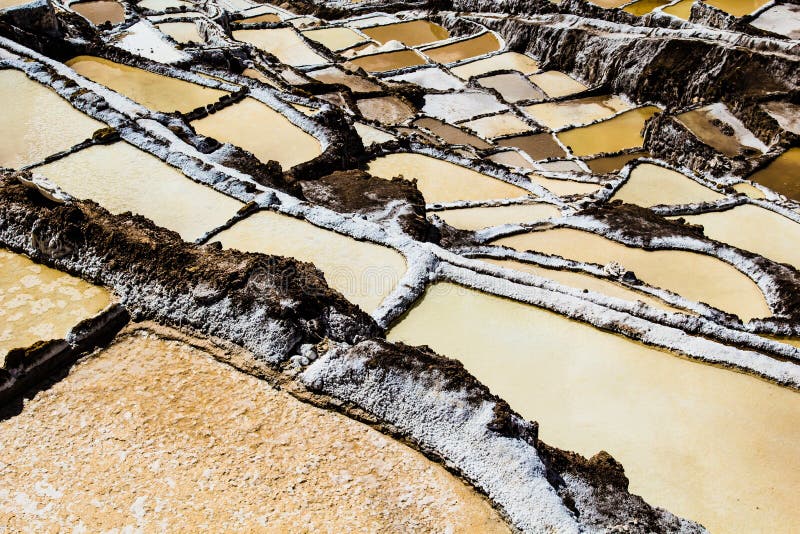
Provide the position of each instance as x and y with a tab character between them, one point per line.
363	272
151	90
451	134
387	61
477	218
786	113
158	434
622	132
738	8
266	17
558	115
512	87
609	4
122	178
370	135
430	78
334	38
706	443
258	128
537	146
557	84
144	39
651	185
38	303
562	165
755	229
98	12
461	106
497	125
39	123
749	190
782	174
564	187
608	164
468	48
357	84
703	123
443	181
410	33
783	19
385	109
283	43
12	3
182	32
511	158
163	5
504	61
643	7
681	10
695	276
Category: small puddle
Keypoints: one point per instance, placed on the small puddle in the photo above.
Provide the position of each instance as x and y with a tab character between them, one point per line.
40	122
38	303
258	128
782	174
182	32
706	443
411	33
476	46
557	115
334	38
442	181
154	91
100	11
477	218
385	109
387	61
557	84
505	61
695	276
512	87
123	178
365	273
623	132
537	146
652	185
283	43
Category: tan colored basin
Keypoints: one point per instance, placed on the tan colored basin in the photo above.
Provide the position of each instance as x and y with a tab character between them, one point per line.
651	185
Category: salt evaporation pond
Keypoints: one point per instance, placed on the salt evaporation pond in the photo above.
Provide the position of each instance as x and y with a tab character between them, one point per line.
651	185
258	128
468	48
608	164
483	217
284	43
123	178
365	273
695	276
38	303
782	174
557	84
622	132
410	33
504	61
387	61
443	181
564	187
100	11
497	125
182	32
512	87
557	115
334	38
707	443
451	134
40	122
157	92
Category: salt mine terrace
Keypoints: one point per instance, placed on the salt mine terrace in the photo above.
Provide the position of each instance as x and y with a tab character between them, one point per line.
381	267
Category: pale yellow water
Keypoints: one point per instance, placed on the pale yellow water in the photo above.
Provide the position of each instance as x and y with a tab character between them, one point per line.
512	87
442	181
497	125
100	11
608	4
682	9
643	7
584	281
564	187
557	84
266	17
755	229
620	133
39	122
477	218
370	135
411	33
182	32
749	190
504	61
511	158
283	43
388	61
557	115
608	164
263	131
334	38
706	443
363	272
38	303
123	178
151	90
12	3
782	175
737	8
705	126
652	185
695	276
477	46
256	75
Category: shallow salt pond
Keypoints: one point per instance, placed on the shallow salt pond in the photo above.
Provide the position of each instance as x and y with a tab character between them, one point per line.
451	134
695	276
334	75
682	9
442	181
385	109
284	43
12	3
557	84
537	146
266	17
182	32
755	229
564	187
608	164
511	158
782	175
162	5
411	33
39	123
468	48
706	443
334	38
483	217
643	7
652	185
512	87
370	135
387	61
558	115
38	303
100	11
749	190
704	123
505	61
123	178
430	78
497	125
159	434
737	8
622	132
157	92
461	106
783	19
365	273
258	128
